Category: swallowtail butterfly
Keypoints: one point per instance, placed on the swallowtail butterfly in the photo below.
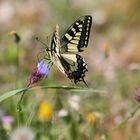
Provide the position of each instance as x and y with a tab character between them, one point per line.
64	51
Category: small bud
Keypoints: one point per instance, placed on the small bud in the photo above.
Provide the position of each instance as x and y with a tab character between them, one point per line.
35	77
16	36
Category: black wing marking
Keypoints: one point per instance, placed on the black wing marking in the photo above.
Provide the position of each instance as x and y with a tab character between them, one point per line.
76	37
79	74
55	43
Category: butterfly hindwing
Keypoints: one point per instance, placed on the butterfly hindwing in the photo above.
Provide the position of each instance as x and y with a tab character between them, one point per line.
76	37
78	74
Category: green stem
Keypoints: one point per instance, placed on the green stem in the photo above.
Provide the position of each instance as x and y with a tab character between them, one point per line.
18	55
120	125
19	108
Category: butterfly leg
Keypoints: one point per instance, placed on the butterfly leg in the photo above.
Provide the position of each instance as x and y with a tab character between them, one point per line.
84	81
50	64
46	57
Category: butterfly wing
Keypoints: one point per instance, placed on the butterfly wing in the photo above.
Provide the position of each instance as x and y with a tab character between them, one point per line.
55	54
75	40
78	74
76	37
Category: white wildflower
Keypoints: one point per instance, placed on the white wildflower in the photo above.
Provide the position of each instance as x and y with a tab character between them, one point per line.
22	133
63	113
74	101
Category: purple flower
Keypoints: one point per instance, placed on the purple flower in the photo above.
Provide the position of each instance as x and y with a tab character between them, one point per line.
137	94
43	68
7	120
41	71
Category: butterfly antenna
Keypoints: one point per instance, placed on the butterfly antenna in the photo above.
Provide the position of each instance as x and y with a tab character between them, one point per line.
39	58
46	46
47	38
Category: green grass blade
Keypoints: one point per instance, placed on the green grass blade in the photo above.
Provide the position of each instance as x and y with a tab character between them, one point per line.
71	88
10	94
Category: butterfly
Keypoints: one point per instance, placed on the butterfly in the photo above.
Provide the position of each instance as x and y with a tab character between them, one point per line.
64	51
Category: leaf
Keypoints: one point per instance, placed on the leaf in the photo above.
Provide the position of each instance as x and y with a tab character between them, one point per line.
72	88
75	89
10	94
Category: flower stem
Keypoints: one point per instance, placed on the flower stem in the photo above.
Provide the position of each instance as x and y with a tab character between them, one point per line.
120	125
17	63
19	108
131	115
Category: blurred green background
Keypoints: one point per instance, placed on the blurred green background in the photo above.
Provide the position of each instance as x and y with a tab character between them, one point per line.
115	32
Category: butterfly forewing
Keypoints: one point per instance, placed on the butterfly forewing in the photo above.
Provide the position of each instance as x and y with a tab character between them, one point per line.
55	43
55	54
76	37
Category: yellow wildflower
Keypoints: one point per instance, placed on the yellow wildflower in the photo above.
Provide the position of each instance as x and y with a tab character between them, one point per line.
91	118
45	111
105	48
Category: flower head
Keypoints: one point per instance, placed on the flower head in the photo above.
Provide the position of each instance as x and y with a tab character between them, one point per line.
137	94
43	68
45	111
7	122
22	133
91	118
63	113
74	102
41	71
106	49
